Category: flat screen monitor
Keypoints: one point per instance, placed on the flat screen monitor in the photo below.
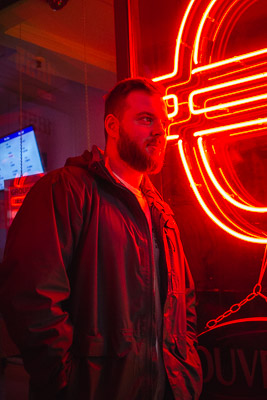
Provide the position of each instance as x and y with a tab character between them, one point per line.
14	147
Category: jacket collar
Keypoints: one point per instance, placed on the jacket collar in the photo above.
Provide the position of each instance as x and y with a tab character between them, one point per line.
94	161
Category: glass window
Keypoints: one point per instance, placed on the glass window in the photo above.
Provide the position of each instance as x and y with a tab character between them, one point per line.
55	67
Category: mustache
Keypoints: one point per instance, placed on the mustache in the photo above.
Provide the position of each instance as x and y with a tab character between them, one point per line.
156	141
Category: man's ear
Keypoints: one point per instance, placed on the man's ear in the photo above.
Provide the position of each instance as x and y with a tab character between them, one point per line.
112	125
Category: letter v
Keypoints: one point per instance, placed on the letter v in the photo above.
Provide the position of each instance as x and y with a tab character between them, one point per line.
248	375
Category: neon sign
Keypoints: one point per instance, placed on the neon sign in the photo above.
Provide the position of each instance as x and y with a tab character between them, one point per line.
16	190
214	102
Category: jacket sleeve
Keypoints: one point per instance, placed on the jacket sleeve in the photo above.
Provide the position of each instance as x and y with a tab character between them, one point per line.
34	284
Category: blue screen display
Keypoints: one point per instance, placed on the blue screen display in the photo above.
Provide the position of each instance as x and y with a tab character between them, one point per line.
19	148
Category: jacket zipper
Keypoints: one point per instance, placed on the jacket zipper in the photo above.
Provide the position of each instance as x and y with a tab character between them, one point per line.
151	298
149	357
151	294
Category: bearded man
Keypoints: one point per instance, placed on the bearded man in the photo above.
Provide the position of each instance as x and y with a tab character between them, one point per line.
99	297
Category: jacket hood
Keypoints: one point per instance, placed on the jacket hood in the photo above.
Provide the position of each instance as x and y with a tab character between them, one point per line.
93	161
86	159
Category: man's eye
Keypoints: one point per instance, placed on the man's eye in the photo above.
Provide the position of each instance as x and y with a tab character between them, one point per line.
147	120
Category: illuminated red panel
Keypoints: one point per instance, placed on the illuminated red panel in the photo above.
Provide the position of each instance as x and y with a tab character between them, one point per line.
212	103
15	192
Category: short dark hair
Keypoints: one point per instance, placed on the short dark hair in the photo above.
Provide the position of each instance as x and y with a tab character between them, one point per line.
115	99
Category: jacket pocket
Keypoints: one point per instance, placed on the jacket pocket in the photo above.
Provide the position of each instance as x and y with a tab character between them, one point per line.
96	346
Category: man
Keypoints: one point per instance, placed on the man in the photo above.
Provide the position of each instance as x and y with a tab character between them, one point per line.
95	289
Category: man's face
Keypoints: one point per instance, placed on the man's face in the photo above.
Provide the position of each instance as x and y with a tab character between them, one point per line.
143	125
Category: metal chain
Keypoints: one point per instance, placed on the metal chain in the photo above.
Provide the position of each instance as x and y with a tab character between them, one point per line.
236	307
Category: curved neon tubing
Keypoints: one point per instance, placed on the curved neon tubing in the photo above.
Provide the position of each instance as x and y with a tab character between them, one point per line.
229	61
237	71
217	205
222	20
19	181
259	121
199	31
232	322
175	104
178	43
196	48
225	85
224	194
243	110
207	210
222	106
253	238
197	42
231	188
172	137
230	83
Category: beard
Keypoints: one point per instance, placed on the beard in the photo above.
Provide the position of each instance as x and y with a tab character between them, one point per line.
138	158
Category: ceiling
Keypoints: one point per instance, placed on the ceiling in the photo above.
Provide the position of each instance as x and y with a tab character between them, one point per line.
61	40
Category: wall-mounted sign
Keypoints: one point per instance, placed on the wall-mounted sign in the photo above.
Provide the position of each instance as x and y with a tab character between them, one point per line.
215	105
234	360
15	192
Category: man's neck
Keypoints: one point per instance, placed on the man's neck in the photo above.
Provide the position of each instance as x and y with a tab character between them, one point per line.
128	174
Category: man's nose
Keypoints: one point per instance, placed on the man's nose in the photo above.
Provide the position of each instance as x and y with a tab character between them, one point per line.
159	128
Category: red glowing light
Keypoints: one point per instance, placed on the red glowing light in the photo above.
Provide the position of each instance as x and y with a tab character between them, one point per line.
224	85
200	28
225	195
16	190
232	60
223	98
252	239
175	104
178	43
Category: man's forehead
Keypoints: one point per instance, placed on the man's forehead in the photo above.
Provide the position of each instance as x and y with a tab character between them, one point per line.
140	99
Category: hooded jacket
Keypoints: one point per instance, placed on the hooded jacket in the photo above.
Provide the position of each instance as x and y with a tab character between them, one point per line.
77	289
